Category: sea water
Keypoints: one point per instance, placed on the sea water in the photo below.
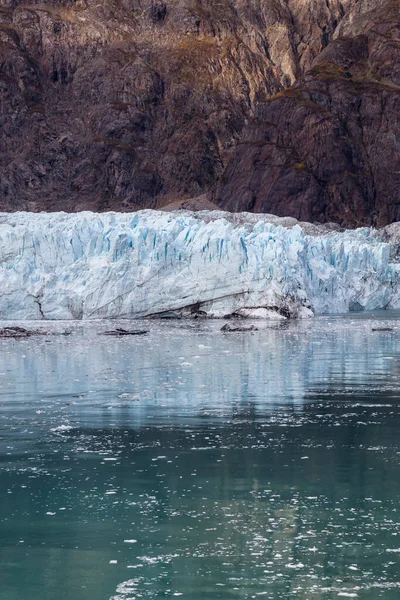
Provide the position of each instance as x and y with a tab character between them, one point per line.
203	465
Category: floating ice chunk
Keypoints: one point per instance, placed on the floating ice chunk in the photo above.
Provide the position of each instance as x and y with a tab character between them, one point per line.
61	428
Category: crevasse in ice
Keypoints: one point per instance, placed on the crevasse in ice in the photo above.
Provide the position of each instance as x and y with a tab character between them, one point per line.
87	265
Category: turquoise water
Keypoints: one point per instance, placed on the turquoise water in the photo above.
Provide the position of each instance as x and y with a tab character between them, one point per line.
201	465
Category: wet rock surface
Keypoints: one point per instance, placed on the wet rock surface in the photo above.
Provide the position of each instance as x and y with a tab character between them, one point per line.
236	328
283	106
21	332
121	332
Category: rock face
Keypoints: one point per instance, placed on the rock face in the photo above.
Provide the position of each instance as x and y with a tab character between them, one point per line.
328	147
286	106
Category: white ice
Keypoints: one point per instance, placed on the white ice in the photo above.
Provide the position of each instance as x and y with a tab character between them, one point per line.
87	265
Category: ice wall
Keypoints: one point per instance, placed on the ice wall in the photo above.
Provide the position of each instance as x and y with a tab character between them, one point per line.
87	265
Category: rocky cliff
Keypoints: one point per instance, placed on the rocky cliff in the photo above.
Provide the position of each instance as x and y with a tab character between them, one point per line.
285	106
328	147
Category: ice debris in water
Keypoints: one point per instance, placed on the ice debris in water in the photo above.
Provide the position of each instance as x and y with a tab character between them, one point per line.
87	265
61	428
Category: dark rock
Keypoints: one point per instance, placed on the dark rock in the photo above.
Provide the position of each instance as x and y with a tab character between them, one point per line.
230	328
158	12
118	332
199	314
21	332
355	307
233	315
168	314
16	332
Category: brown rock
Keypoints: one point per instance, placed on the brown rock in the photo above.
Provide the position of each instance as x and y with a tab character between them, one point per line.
126	104
327	148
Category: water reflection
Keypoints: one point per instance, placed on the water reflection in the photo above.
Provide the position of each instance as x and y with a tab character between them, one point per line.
196	464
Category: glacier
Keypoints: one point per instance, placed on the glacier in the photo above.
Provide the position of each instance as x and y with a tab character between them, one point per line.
132	265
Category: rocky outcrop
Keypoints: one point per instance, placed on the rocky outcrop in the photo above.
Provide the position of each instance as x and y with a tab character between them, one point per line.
327	148
125	104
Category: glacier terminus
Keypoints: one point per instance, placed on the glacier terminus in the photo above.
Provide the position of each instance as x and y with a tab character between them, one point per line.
132	265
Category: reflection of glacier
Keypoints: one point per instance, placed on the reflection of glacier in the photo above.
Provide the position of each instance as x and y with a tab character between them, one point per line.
90	265
203	433
185	375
